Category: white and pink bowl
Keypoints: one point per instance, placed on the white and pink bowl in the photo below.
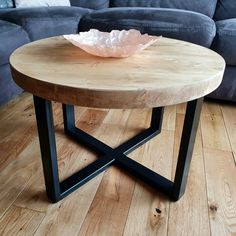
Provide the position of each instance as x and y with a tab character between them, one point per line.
117	43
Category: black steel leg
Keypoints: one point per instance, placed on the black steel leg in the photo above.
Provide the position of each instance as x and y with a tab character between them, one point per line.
43	110
56	190
191	121
69	117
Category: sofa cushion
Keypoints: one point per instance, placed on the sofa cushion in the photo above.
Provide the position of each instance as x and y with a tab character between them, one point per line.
41	3
227	89
225	9
11	37
98	4
42	22
8	88
206	7
173	23
6	3
225	40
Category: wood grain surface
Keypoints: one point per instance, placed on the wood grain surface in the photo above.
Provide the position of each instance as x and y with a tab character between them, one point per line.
168	72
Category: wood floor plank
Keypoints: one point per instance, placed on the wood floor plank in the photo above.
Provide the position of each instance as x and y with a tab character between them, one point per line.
221	176
181	108
189	215
17	124
108	212
109	209
169	118
16	175
148	214
117	117
71	158
20	221
229	115
66	217
79	157
14	106
66	211
214	133
58	215
211	108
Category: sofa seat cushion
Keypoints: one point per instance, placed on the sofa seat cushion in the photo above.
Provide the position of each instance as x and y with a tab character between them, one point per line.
178	24
42	22
206	7
11	37
227	89
225	40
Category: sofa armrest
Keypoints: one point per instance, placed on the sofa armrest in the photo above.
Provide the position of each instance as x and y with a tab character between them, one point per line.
43	22
11	37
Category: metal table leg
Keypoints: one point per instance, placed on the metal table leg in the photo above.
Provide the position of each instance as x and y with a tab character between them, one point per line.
57	190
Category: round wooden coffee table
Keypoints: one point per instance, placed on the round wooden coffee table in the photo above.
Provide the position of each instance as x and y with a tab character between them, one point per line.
167	73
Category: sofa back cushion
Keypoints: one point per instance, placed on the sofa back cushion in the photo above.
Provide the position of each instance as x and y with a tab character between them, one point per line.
92	4
41	3
225	9
173	23
6	3
206	7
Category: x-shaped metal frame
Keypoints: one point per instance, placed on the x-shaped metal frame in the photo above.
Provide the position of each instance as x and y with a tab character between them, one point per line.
57	190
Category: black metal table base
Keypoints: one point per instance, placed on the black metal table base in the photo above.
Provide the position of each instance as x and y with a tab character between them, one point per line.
57	190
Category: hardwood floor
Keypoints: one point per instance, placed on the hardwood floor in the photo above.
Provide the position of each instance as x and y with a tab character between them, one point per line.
115	203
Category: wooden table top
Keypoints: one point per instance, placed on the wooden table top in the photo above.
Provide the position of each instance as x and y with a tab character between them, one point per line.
168	72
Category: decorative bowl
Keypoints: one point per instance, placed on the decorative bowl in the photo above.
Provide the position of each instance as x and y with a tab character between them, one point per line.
117	43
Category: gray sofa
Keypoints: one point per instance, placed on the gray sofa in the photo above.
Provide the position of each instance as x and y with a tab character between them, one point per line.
209	23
